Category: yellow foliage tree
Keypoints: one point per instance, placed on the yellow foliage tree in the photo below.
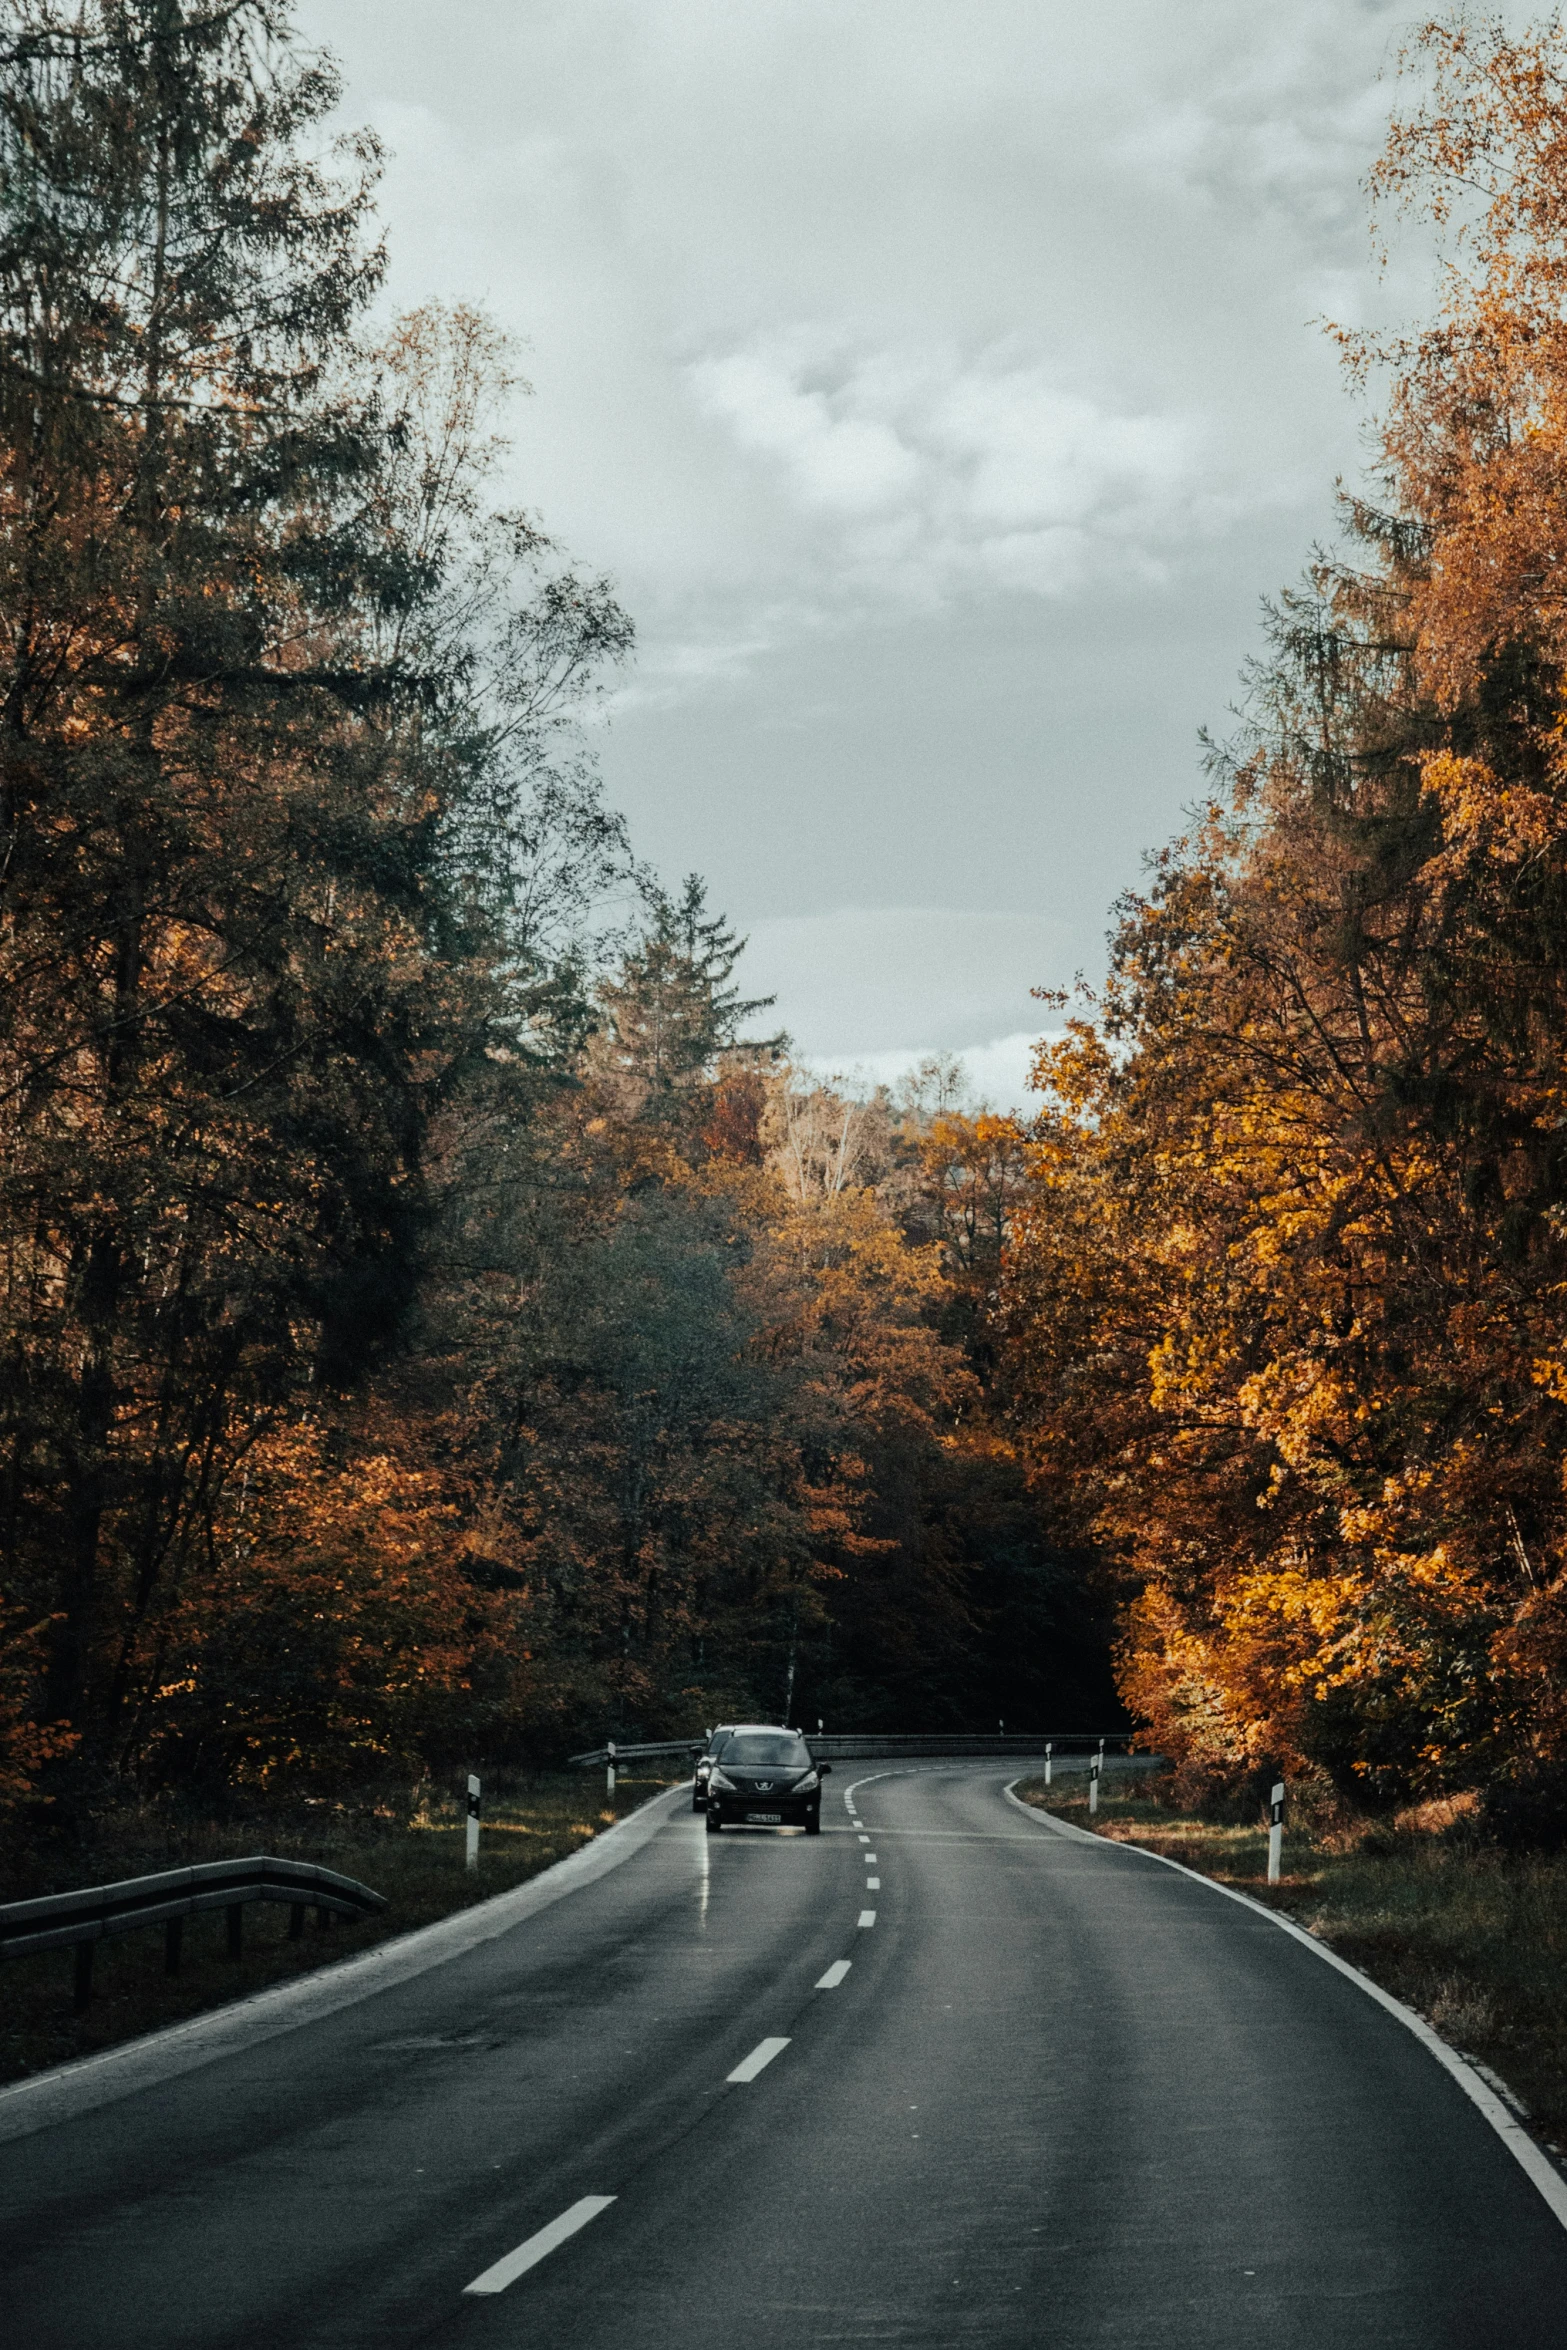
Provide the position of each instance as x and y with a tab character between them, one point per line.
1286	1300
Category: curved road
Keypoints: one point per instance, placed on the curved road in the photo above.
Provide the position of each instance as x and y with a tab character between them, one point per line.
1061	2096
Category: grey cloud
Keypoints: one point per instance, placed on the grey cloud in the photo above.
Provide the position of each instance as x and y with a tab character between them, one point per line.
941	384
875	979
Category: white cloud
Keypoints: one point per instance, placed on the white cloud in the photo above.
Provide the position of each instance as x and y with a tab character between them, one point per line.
840	457
995	1075
933	472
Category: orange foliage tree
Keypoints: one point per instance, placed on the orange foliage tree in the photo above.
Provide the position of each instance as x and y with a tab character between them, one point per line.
1285	1303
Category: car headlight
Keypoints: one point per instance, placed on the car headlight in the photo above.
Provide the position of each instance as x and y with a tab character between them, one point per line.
716	1778
805	1785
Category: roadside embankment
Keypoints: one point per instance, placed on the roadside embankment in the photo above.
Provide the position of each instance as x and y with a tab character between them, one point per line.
1474	1939
408	1847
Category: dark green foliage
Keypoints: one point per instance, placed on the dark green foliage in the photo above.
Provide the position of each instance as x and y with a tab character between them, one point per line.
1525	1809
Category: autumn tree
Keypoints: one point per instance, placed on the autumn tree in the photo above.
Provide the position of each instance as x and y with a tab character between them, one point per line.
1286	1295
271	882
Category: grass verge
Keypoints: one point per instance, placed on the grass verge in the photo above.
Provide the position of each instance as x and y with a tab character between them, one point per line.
410	1849
1473	1939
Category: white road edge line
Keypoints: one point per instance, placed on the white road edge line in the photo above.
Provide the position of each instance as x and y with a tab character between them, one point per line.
867	1917
506	2271
760	2057
835	1974
853	1789
1542	2173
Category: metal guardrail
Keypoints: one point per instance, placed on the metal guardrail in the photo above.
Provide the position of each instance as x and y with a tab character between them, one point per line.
846	1747
613	1751
55	1921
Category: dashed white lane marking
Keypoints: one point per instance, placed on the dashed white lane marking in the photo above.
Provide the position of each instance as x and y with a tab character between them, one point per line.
865	1840
506	2272
873	1884
867	1917
959	1836
761	2055
869	1859
834	1975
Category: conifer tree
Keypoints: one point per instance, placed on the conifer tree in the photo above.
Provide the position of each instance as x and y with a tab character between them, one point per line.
220	1006
672	1011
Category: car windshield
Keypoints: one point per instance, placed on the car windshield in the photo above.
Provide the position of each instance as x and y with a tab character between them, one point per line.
718	1741
768	1750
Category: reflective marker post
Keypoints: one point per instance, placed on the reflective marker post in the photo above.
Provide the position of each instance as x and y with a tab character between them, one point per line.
473	1821
1094	1769
609	1768
1275	1831
1049	1751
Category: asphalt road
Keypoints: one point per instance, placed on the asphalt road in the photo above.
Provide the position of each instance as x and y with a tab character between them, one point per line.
1060	2097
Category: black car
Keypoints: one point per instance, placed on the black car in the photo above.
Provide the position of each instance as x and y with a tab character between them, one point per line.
765	1778
705	1760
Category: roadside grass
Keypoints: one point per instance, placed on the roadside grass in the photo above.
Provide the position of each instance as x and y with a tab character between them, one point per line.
408	1846
1474	1939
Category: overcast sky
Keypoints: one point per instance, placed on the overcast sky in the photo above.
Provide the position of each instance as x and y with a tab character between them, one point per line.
943	385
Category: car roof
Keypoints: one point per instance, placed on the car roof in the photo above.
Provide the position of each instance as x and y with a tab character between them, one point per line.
773	1729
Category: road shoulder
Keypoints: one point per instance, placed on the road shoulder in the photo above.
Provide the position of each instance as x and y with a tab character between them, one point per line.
1531	2157
47	2098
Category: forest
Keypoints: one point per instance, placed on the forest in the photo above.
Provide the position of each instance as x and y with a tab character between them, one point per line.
441	1316
440	1320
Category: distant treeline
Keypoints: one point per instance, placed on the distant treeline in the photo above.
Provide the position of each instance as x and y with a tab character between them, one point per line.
433	1325
1287	1305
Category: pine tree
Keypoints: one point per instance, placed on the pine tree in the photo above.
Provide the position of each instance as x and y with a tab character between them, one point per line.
219	1006
672	1012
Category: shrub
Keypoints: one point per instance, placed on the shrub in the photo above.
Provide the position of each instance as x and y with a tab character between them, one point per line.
1526	1810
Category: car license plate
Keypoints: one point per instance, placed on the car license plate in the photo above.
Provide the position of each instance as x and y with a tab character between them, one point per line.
765	1819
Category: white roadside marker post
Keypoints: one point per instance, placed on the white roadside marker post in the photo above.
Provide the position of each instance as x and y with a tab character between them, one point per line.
472	1854
609	1769
1275	1831
1094	1769
1049	1751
